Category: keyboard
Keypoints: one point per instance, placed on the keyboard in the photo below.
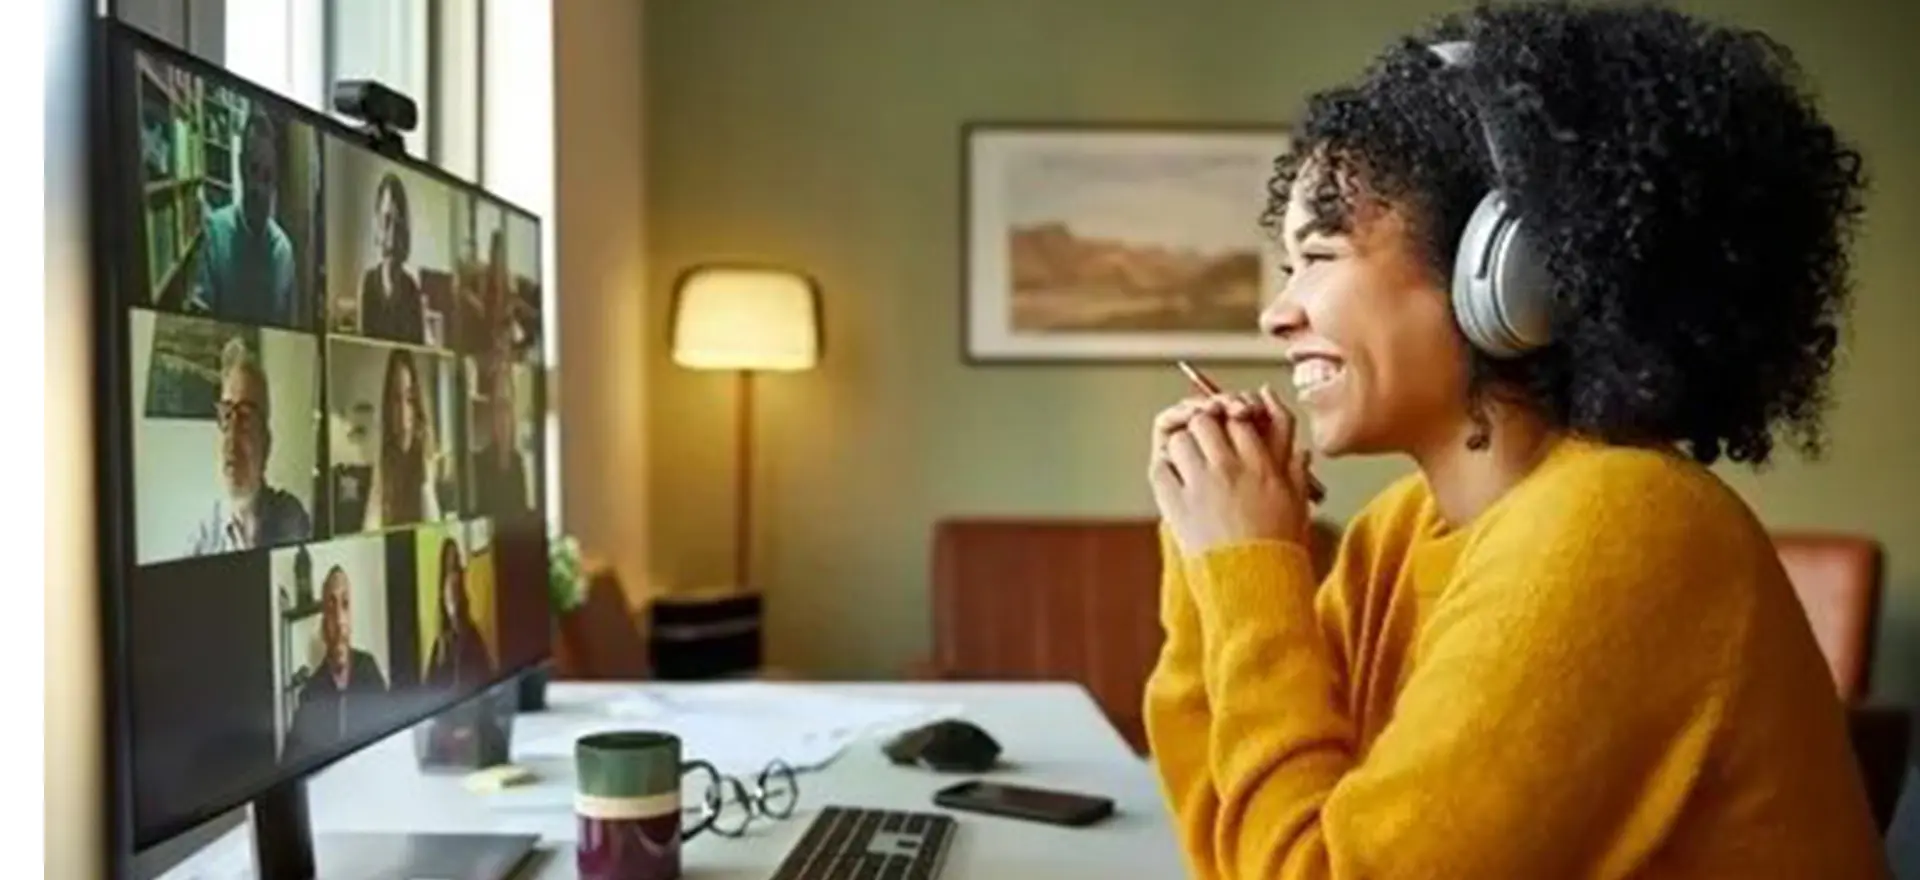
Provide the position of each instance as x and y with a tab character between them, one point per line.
844	843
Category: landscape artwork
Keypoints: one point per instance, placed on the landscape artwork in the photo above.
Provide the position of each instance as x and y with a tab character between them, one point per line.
1117	244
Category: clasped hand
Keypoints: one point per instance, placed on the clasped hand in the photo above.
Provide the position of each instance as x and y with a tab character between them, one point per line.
1224	470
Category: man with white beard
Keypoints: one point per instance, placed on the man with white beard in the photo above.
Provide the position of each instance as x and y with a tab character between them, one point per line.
250	513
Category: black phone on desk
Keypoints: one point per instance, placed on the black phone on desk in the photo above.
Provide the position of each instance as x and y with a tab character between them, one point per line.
1022	802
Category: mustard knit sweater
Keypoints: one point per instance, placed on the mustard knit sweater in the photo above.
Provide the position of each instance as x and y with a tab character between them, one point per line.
1606	674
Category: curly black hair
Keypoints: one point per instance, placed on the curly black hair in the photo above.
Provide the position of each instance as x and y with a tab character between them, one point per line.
1693	207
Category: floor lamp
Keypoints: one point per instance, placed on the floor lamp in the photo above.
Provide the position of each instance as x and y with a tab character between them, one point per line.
746	319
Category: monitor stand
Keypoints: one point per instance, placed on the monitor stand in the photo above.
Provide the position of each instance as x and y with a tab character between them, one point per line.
285	848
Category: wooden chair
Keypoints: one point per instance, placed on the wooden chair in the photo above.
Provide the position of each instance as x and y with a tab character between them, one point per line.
1053	599
1838	579
1037	599
601	638
1077	599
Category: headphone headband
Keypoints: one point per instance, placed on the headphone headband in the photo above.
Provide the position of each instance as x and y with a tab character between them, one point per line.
1459	54
1500	285
1456	53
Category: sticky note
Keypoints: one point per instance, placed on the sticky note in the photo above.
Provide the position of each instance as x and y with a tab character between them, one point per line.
497	777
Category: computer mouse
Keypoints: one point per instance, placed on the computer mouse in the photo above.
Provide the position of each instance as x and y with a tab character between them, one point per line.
948	746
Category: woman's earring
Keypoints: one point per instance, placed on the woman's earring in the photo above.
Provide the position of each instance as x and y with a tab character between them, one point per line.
1482	436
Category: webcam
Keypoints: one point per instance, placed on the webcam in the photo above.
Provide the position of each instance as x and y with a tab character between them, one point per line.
384	112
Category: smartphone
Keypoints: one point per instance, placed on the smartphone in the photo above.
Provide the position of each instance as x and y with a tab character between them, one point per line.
1021	802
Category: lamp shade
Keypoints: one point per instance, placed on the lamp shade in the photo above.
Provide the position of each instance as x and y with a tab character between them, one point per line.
740	318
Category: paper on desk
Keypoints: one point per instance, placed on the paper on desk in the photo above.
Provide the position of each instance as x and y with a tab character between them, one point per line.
742	727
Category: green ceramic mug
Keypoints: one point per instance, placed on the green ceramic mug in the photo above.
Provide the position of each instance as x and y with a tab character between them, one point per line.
627	800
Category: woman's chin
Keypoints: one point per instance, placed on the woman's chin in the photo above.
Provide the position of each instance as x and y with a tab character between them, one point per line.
1325	435
1319	438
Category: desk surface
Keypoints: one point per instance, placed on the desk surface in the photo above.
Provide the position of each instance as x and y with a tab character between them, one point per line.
1052	735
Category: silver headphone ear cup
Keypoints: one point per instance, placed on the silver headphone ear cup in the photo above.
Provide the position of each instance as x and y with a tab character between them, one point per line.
1473	275
1499	283
1521	294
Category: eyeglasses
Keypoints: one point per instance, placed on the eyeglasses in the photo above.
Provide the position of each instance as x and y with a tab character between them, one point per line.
733	804
227	414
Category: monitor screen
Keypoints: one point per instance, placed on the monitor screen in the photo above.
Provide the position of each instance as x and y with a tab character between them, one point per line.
324	491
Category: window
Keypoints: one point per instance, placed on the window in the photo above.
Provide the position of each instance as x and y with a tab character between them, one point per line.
279	44
516	137
456	85
259	36
385	40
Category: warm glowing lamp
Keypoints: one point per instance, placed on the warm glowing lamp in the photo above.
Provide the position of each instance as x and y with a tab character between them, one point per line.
746	319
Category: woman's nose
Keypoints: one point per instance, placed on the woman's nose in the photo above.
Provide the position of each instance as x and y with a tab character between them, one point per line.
1284	315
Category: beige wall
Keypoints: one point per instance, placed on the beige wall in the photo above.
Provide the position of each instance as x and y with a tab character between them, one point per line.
827	135
604	328
75	784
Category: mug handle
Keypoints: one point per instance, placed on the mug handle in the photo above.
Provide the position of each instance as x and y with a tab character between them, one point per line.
712	796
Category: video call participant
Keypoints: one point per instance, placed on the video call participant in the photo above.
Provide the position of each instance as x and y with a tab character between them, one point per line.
458	657
390	303
406	468
247	272
250	513
499	470
348	683
497	301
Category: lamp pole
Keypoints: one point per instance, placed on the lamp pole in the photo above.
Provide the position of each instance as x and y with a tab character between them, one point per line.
743	481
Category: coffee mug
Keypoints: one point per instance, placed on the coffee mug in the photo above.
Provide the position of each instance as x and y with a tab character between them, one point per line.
628	803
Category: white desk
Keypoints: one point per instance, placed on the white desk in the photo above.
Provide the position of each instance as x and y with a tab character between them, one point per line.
1051	735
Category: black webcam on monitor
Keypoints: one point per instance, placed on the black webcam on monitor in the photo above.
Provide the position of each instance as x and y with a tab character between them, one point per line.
384	112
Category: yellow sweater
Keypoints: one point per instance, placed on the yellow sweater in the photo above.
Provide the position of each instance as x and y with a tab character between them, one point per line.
1605	675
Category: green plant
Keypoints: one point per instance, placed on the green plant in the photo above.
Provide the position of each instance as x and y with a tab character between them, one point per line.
566	577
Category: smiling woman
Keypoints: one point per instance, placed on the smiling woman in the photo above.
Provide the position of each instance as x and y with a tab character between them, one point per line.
1376	363
1562	258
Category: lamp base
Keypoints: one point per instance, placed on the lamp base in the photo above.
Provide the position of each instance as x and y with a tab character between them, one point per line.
706	635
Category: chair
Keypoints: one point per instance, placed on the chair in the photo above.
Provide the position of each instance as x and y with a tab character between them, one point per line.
601	639
1073	600
1054	599
1838	579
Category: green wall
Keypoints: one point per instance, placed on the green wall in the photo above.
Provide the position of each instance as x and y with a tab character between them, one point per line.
826	135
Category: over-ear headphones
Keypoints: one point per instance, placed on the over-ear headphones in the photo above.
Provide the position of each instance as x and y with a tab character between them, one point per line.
1501	295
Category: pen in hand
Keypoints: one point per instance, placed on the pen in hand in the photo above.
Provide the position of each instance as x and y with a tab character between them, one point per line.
1316	492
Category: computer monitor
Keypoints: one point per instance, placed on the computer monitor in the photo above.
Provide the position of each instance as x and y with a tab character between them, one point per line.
322	507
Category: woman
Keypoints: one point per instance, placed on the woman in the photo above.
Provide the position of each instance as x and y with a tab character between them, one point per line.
458	658
390	299
405	481
1562	648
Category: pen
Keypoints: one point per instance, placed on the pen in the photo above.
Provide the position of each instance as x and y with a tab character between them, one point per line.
1316	492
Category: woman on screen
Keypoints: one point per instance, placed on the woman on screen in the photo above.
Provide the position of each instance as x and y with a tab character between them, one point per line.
404	474
390	306
459	656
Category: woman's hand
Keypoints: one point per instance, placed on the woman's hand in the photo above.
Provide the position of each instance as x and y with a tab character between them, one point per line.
1221	477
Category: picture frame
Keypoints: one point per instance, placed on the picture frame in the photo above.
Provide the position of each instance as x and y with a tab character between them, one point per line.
1115	242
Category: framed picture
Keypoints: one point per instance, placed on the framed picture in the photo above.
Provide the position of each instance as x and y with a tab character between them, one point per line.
1116	242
